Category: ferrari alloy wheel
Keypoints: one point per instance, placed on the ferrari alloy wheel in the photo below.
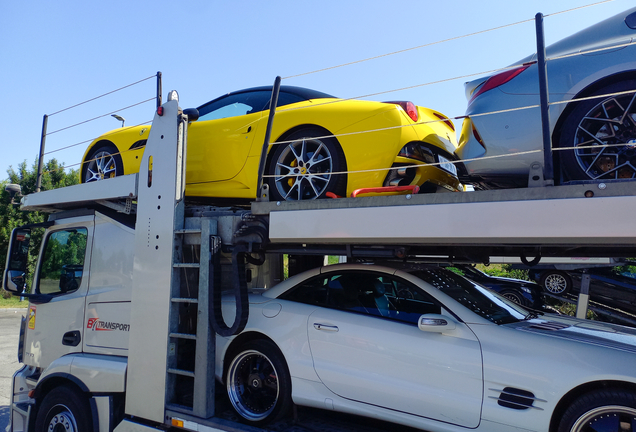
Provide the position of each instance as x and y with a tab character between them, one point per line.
305	167
609	410
258	383
602	135
556	282
104	162
63	410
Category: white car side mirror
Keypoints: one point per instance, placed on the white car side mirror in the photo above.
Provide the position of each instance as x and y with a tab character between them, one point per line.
436	323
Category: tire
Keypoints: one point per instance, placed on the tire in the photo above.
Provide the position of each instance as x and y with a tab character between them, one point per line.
515	297
258	383
102	163
585	127
601	410
302	167
556	282
64	410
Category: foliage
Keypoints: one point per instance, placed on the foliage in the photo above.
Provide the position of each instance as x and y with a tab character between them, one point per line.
7	300
54	176
505	270
566	308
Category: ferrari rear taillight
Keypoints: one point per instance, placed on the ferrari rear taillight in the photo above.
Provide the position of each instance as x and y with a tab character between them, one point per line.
499	80
408	107
445	120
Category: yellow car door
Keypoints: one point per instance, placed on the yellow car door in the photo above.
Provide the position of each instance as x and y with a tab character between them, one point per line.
220	141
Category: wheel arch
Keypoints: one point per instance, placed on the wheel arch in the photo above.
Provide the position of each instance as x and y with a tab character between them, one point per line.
587	91
567	399
295	129
343	179
88	152
56	380
239	341
523	301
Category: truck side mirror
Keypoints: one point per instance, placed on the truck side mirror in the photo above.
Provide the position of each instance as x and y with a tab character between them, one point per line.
15	270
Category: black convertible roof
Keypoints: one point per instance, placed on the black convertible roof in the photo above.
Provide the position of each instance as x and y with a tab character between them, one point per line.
301	92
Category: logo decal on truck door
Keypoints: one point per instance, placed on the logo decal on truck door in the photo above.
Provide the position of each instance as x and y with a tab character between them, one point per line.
96	325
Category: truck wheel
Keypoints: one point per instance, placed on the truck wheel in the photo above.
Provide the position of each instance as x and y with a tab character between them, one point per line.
302	168
64	410
258	383
102	163
556	282
610	410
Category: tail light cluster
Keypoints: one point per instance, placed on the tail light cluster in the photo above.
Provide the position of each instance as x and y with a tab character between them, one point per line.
499	80
409	108
445	120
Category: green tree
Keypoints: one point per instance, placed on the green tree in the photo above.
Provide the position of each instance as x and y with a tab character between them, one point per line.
55	176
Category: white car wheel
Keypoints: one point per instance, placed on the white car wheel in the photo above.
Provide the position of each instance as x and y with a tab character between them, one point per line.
258	382
609	410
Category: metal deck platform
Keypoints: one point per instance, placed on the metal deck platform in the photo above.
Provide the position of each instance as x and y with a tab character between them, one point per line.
594	219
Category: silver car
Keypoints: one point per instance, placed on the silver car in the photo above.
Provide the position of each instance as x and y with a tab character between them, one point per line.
597	65
426	348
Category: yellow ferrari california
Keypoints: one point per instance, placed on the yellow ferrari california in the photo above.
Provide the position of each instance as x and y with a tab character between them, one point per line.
321	144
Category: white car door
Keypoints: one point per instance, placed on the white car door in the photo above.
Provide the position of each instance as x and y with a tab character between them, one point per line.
373	352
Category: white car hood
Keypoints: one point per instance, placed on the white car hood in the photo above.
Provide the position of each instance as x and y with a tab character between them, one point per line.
584	331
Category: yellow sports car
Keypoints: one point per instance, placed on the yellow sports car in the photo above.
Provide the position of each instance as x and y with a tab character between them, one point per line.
321	144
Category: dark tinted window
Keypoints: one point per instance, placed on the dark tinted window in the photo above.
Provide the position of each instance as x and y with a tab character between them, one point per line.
285	98
366	293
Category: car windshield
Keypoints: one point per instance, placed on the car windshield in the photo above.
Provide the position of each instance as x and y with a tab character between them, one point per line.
475	297
470	271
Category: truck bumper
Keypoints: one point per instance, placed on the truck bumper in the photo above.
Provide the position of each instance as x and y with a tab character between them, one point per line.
21	403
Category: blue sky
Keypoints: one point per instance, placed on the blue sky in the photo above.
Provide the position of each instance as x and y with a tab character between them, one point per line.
57	54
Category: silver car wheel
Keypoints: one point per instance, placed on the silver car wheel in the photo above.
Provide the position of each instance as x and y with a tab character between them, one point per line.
252	385
102	163
611	122
514	297
556	283
303	170
611	418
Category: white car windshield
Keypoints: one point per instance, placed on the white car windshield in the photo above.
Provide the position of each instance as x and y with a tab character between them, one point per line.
475	297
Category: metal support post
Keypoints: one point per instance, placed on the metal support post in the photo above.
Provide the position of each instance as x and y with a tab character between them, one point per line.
38	183
584	296
159	87
261	189
548	169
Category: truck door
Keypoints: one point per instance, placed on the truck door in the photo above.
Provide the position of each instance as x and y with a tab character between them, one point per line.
55	328
107	323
